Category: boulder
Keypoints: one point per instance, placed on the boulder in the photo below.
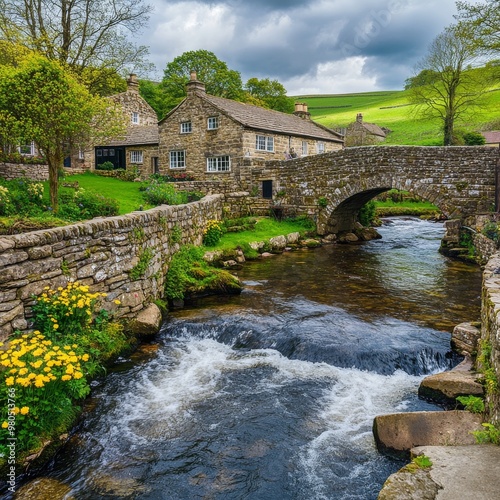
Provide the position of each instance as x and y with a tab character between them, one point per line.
147	322
292	238
397	433
410	484
465	338
348	238
444	388
278	243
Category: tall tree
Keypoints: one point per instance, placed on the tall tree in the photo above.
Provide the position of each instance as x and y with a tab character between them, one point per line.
79	33
219	80
41	102
485	18
271	92
456	89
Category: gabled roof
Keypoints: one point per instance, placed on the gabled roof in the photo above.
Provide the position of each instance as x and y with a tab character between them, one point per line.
374	129
492	137
138	135
258	118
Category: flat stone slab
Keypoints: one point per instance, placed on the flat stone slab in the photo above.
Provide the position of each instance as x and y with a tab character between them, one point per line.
447	386
457	472
398	433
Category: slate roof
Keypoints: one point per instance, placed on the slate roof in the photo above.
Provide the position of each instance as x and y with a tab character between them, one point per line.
492	137
374	129
138	135
258	118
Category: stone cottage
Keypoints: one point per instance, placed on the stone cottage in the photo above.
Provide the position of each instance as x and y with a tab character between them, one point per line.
207	136
361	133
492	138
139	146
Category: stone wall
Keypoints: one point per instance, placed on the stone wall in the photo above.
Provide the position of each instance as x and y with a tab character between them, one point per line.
11	171
100	253
490	326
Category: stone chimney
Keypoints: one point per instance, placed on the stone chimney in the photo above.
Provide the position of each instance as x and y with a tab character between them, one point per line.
132	83
359	117
194	86
301	111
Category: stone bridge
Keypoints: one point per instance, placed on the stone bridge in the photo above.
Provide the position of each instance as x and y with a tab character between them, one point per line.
461	181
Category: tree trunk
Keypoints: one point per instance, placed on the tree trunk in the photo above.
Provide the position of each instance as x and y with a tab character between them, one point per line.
55	161
448	130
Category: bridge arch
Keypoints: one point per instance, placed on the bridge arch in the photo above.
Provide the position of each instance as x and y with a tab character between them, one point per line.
461	181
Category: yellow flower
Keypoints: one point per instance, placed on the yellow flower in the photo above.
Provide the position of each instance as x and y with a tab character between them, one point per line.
39	383
9	381
25	410
39	351
5	425
77	375
56	326
117	302
66	377
85	357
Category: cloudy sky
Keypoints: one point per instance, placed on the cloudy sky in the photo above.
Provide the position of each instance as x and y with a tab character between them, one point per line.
310	46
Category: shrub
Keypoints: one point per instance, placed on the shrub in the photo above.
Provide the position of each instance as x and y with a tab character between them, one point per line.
472	403
212	233
84	204
160	193
25	197
4	200
367	214
107	165
474	139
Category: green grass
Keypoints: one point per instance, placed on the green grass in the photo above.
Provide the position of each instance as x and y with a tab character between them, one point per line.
127	193
391	109
265	228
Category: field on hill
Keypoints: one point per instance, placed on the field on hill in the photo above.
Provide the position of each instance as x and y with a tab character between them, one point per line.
391	109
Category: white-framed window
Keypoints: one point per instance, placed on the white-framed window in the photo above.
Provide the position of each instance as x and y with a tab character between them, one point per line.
27	149
219	164
213	122
135	118
178	159
264	143
81	154
304	148
186	127
320	147
136	157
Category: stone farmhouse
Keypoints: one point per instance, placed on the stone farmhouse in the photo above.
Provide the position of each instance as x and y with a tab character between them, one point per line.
361	133
139	146
209	137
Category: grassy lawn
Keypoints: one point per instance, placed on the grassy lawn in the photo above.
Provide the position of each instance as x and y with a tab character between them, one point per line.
391	109
127	193
265	228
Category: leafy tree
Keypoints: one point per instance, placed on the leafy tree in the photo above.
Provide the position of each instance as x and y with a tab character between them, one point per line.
219	80
457	89
425	77
155	96
485	19
82	34
40	101
271	93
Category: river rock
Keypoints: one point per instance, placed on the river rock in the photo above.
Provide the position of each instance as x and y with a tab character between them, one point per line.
348	238
292	238
278	243
397	433
368	233
311	243
465	338
147	322
410	484
445	387
44	488
121	487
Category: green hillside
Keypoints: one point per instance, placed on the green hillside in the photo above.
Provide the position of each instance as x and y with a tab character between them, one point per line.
392	110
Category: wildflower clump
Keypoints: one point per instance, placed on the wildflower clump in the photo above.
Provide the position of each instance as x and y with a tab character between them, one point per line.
4	200
212	233
68	310
39	380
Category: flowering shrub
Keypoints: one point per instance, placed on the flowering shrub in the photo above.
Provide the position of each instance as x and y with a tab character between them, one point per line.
4	200
68	310
35	190
212	233
21	159
160	193
43	373
25	197
39	380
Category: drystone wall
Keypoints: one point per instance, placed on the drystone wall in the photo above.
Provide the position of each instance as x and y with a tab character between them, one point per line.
126	257
490	327
10	171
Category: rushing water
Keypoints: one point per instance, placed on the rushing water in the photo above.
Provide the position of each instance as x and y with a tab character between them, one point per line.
271	395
